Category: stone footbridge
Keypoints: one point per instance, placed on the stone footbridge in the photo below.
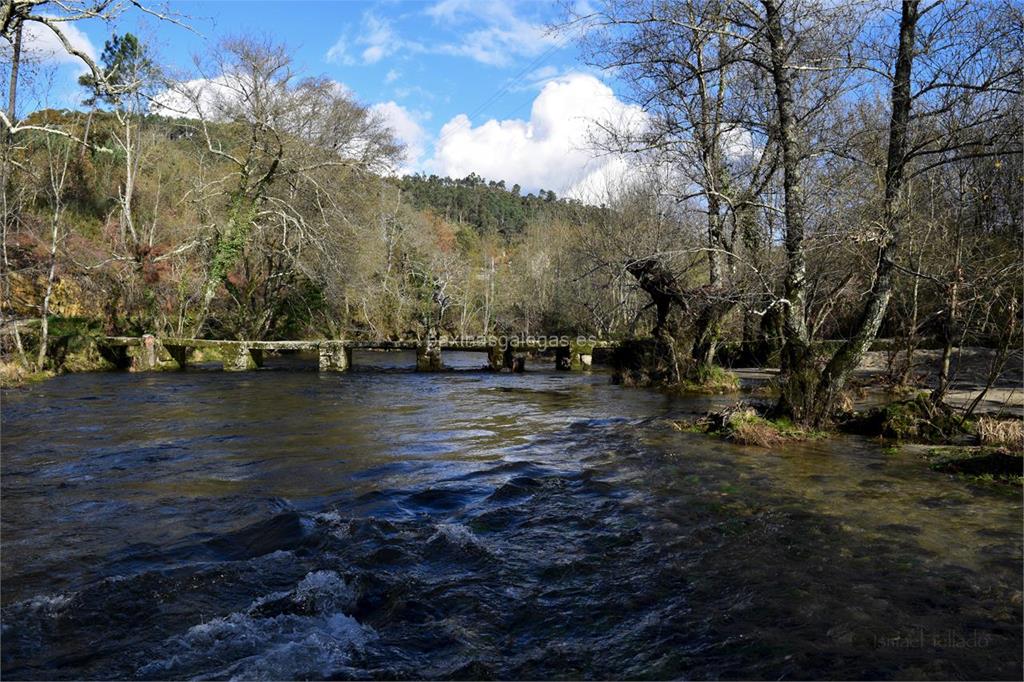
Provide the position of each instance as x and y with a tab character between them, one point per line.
146	353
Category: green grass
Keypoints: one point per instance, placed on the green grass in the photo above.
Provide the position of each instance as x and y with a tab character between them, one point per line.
711	379
979	464
747	427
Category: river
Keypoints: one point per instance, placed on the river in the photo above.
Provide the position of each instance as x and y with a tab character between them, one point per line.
385	524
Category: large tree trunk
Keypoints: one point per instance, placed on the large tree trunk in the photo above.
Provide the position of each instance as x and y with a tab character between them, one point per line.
707	331
850	354
795	358
659	284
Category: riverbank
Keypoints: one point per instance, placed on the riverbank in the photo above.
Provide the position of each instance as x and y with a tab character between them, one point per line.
969	374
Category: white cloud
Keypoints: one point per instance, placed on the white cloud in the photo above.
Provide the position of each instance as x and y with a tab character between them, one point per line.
377	34
503	35
406	126
377	38
216	98
188	99
552	150
738	143
414	91
392	76
489	32
541	76
338	52
39	43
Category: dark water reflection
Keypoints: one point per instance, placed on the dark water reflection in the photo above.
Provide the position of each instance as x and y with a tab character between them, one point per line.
393	525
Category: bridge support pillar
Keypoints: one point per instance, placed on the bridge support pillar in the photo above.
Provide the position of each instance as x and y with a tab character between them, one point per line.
515	361
581	356
180	354
428	357
240	358
576	356
496	358
334	357
144	357
506	359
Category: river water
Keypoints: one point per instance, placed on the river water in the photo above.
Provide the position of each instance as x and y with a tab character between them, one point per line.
388	524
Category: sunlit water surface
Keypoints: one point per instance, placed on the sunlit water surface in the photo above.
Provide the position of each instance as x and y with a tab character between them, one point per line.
387	524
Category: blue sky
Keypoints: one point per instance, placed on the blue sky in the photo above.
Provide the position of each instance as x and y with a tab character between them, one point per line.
468	85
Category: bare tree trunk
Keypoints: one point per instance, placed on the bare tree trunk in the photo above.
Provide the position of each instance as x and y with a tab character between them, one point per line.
794	324
12	89
850	354
797	394
1009	334
58	157
44	322
952	309
130	166
85	134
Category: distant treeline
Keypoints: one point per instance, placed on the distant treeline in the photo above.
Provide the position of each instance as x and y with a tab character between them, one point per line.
488	205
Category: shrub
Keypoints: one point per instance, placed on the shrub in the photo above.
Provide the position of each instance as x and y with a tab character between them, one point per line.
748	428
741	423
918	419
711	379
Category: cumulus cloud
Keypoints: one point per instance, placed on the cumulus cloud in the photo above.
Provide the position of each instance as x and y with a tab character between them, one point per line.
738	143
552	150
407	128
212	98
39	43
194	97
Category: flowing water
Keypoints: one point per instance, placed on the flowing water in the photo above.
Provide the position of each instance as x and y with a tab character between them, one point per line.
387	524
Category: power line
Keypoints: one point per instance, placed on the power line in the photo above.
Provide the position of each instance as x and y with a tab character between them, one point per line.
502	91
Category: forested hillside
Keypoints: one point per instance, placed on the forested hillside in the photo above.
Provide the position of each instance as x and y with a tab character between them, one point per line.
274	218
407	253
489	206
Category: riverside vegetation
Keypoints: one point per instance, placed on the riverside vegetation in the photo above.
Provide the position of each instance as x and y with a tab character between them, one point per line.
805	179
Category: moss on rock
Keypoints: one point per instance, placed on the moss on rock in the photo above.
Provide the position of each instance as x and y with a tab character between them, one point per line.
915	419
980	463
743	424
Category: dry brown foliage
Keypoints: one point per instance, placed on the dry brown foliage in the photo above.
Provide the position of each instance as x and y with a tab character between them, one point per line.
1008	433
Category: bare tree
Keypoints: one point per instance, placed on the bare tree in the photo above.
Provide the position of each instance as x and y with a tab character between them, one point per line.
53	16
967	79
685	65
287	143
58	156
